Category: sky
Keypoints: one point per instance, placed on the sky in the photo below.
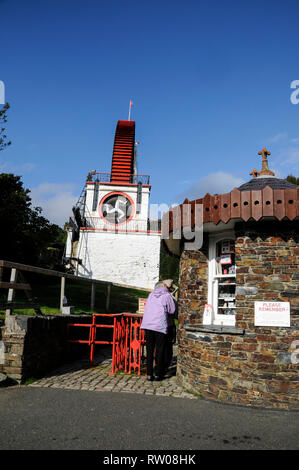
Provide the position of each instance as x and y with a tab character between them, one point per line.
210	83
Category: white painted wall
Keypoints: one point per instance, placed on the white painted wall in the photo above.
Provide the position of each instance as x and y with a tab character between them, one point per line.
106	189
68	245
131	258
126	258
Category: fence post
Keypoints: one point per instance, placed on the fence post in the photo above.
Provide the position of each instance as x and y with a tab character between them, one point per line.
92	299
11	292
62	290
114	345
108	297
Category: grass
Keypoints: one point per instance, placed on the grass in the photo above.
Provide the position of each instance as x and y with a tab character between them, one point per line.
29	381
197	395
78	294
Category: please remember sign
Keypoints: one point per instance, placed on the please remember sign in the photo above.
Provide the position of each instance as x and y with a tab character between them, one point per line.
272	314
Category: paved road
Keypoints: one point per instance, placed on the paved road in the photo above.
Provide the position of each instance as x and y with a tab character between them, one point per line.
49	418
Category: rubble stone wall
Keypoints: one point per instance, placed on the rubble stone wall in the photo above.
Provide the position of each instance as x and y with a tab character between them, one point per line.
247	364
34	345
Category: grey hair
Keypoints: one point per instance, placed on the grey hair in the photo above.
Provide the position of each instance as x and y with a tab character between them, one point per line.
159	284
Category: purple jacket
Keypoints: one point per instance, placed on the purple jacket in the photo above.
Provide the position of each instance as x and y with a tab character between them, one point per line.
158	305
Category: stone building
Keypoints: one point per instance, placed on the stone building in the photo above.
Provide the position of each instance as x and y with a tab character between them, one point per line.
239	298
109	237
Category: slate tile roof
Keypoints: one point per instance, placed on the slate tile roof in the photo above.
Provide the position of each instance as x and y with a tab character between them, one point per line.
259	183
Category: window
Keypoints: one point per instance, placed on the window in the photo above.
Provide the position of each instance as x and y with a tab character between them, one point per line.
222	280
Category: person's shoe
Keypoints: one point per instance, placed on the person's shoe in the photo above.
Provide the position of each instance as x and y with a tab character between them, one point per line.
158	378
150	378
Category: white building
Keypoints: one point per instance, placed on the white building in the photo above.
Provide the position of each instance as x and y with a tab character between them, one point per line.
109	237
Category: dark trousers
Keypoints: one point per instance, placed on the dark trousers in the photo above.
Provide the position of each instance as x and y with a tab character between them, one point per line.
155	348
170	340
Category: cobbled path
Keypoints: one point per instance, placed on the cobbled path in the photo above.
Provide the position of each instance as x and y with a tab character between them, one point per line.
80	376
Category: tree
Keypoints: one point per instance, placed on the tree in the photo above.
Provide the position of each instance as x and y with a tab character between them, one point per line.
3	120
26	236
293	179
169	265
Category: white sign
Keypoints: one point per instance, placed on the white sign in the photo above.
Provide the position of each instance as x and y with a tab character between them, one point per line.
272	314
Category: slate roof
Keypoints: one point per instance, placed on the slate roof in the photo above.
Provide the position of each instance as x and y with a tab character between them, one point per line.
260	183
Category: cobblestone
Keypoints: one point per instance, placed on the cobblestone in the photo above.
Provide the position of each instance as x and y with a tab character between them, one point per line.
79	376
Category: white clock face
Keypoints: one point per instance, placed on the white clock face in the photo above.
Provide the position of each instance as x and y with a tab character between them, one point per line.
116	209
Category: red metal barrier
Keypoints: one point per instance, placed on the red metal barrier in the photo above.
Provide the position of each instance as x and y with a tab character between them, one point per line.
127	343
120	344
92	341
136	344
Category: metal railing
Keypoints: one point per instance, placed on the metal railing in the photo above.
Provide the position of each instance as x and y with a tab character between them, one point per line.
131	226
106	178
128	339
141	225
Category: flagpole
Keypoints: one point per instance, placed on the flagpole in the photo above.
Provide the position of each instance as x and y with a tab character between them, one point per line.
130	106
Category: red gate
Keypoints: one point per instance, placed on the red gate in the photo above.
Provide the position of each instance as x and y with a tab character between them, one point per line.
127	340
136	343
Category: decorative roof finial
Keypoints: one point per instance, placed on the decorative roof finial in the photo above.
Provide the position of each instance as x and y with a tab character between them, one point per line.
255	173
265	169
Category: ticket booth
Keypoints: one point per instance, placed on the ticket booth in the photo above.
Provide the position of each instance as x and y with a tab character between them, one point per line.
238	334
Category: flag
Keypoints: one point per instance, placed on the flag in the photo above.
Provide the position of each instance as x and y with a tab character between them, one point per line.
131	102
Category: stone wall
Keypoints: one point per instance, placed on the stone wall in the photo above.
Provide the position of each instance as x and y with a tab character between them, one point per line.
37	344
249	365
193	285
267	258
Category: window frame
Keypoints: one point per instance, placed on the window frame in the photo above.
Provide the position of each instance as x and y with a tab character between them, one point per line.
213	280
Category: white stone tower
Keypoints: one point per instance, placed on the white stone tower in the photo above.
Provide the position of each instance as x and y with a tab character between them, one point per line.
109	237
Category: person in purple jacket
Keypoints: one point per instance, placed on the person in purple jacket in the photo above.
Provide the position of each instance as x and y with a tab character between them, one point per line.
159	305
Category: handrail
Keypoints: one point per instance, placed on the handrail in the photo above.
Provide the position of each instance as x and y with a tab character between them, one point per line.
106	178
50	272
47	272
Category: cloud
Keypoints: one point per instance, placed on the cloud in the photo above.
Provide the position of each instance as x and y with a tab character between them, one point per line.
277	138
56	200
289	157
215	183
185	182
27	167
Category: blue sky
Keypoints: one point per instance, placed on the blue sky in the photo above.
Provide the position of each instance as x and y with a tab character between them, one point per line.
210	82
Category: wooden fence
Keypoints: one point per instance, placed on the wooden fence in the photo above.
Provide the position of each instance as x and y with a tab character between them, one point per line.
16	274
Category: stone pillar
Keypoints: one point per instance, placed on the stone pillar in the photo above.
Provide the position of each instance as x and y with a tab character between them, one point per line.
13	337
192	299
193	286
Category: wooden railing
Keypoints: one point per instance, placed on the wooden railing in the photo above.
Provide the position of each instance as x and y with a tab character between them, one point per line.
16	273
